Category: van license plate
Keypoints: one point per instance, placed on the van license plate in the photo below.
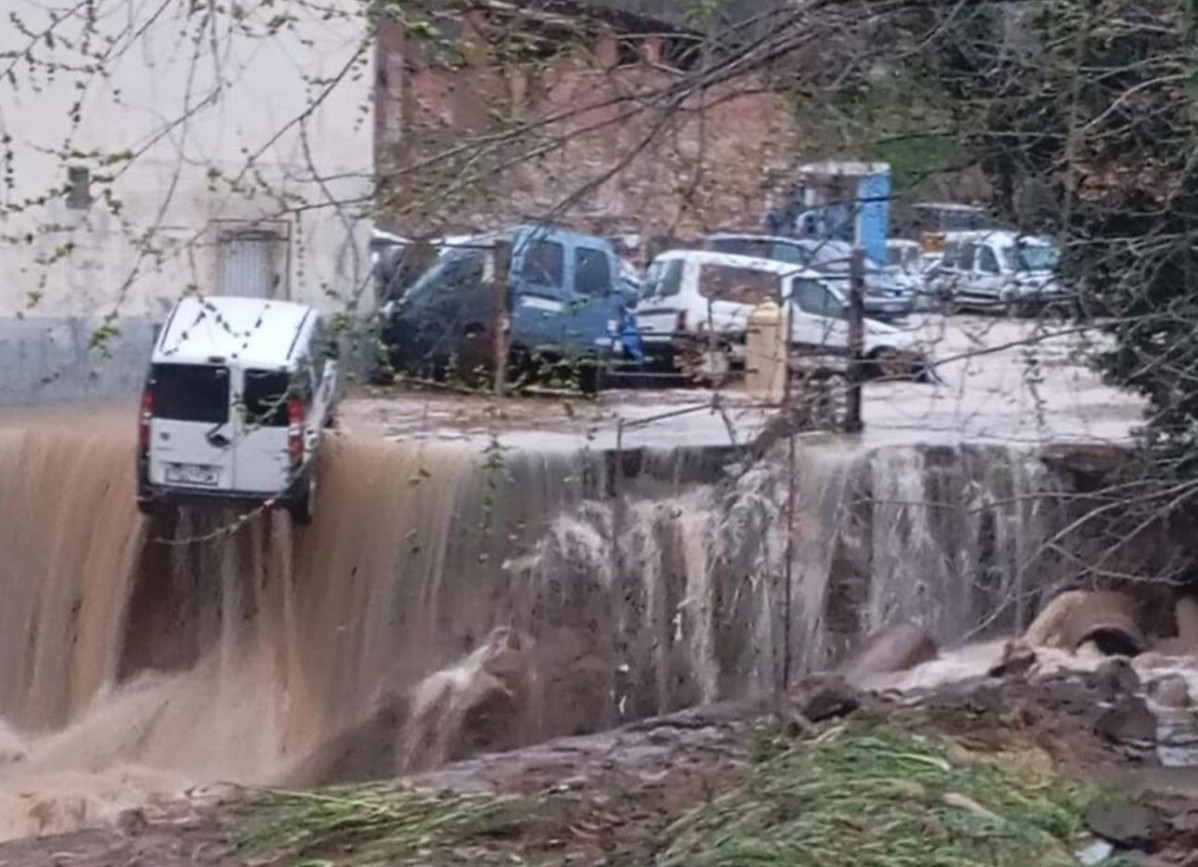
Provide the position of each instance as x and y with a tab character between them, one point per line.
192	474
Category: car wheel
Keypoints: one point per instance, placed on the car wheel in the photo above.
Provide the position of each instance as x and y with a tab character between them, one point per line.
303	506
711	367
1057	313
889	364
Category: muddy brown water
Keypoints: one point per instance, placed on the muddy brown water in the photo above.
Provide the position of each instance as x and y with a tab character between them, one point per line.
447	601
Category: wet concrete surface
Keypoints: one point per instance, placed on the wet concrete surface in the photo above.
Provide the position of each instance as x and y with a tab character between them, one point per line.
1001	381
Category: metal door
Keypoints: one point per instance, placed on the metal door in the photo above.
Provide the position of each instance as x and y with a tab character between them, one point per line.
248	265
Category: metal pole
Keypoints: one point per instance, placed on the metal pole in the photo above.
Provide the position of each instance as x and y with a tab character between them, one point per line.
856	370
791	497
502	260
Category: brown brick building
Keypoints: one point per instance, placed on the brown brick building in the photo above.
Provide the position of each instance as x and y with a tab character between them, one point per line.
590	115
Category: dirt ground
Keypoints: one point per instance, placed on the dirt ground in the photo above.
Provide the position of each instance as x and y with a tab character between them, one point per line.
607	798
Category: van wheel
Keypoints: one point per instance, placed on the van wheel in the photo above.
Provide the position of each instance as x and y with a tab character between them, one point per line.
888	365
303	505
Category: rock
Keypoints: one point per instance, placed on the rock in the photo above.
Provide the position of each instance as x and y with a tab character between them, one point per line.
132	822
1186	611
1116	678
1017	659
892	648
1129	722
1171	691
822	697
1095	853
1125	823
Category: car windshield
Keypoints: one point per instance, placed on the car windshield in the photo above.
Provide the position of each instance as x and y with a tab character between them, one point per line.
1031	256
455	268
835	257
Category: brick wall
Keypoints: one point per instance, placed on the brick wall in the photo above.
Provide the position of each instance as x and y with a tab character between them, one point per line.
471	134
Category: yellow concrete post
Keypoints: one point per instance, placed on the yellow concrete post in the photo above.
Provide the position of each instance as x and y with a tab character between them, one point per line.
765	353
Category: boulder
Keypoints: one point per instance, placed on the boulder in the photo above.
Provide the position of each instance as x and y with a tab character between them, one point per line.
1125	823
1170	690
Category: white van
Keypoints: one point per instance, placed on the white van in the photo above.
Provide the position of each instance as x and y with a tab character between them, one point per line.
694	299
1000	271
235	403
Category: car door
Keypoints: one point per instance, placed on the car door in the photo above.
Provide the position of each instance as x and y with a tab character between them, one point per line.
192	428
657	313
539	297
988	278
264	462
592	325
957	270
819	322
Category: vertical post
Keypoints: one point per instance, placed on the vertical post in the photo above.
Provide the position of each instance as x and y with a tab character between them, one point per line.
791	500
502	263
856	369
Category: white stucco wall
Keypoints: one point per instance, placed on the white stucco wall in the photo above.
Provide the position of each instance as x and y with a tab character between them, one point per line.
195	112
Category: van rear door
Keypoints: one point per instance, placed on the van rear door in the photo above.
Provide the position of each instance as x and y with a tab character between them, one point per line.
264	463
191	429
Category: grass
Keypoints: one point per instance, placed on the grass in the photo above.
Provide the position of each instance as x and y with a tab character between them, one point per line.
872	796
867	795
361	825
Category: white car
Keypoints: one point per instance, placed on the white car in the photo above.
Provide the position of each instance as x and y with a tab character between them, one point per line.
695	307
235	404
999	270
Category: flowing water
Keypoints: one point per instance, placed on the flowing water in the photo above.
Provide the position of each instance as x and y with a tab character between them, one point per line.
446	601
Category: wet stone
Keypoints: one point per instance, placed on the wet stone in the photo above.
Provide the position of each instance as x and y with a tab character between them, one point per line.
1128	721
820	698
1170	691
1116	677
1127	824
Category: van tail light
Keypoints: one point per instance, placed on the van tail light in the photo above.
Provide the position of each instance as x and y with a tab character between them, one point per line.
143	420
295	430
680	325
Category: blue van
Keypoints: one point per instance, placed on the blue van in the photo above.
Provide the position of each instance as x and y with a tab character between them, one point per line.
565	303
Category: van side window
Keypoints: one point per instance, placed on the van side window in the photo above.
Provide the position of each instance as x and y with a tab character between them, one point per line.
987	262
190	392
963	258
792	254
544	263
592	273
738	285
814	298
265	397
671	278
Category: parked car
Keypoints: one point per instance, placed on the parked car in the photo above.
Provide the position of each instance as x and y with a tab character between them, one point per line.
695	307
887	296
566	301
235	403
909	262
1000	271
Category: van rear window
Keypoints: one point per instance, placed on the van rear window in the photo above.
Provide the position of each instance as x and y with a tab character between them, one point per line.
266	397
191	392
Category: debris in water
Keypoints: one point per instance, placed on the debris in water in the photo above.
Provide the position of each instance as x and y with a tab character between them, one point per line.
897	647
1017	659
